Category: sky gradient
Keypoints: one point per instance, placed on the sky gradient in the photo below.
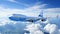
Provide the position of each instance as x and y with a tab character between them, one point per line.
30	8
21	4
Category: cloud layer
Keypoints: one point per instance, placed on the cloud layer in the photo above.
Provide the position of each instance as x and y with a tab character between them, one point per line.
32	11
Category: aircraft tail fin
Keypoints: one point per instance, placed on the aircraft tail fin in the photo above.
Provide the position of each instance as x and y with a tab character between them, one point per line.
41	14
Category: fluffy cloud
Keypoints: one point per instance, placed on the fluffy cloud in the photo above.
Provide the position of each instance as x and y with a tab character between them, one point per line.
33	11
51	28
53	12
34	28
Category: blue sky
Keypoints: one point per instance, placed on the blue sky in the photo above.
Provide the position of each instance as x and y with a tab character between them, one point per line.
30	8
52	3
18	4
21	4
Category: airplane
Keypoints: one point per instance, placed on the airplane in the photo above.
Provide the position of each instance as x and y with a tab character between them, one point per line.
23	18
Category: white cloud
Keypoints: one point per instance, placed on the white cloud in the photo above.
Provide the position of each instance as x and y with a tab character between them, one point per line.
34	28
15	1
59	30
37	32
52	29
30	11
6	12
11	0
52	12
34	12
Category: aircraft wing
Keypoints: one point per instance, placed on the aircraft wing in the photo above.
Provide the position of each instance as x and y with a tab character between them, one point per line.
32	19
